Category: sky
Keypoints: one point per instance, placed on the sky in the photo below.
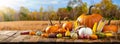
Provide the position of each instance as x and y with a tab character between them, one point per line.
34	5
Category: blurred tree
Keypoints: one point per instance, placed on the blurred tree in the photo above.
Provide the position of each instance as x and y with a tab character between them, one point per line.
41	13
52	13
1	16
8	14
63	12
107	9
78	8
23	13
69	8
34	15
81	10
45	15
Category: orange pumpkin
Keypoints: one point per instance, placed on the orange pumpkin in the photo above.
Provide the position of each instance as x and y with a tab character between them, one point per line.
51	29
94	37
89	19
68	25
58	25
112	28
44	35
32	33
109	27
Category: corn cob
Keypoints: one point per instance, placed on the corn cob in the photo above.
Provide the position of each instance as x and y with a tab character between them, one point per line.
100	26
76	24
94	28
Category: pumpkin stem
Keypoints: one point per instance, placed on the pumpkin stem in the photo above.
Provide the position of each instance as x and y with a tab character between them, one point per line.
110	20
89	11
59	20
50	21
66	18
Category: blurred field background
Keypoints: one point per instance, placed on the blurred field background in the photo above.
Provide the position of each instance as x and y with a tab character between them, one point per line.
35	25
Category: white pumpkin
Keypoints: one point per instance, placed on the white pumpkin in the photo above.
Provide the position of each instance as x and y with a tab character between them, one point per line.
86	31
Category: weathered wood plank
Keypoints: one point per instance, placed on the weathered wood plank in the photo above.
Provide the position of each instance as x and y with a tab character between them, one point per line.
19	38
2	37
9	36
42	39
12	37
4	32
69	40
79	40
11	33
60	40
31	38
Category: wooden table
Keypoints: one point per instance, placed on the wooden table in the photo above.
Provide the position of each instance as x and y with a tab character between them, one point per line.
14	36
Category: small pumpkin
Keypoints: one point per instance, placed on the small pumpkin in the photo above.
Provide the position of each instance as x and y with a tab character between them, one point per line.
61	29
68	25
52	28
59	24
32	33
44	35
89	19
110	27
94	36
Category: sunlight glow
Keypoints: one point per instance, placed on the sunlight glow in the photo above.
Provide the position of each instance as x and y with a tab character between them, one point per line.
6	2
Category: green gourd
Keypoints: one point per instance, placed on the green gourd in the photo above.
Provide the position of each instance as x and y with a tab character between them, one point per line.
74	35
59	35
